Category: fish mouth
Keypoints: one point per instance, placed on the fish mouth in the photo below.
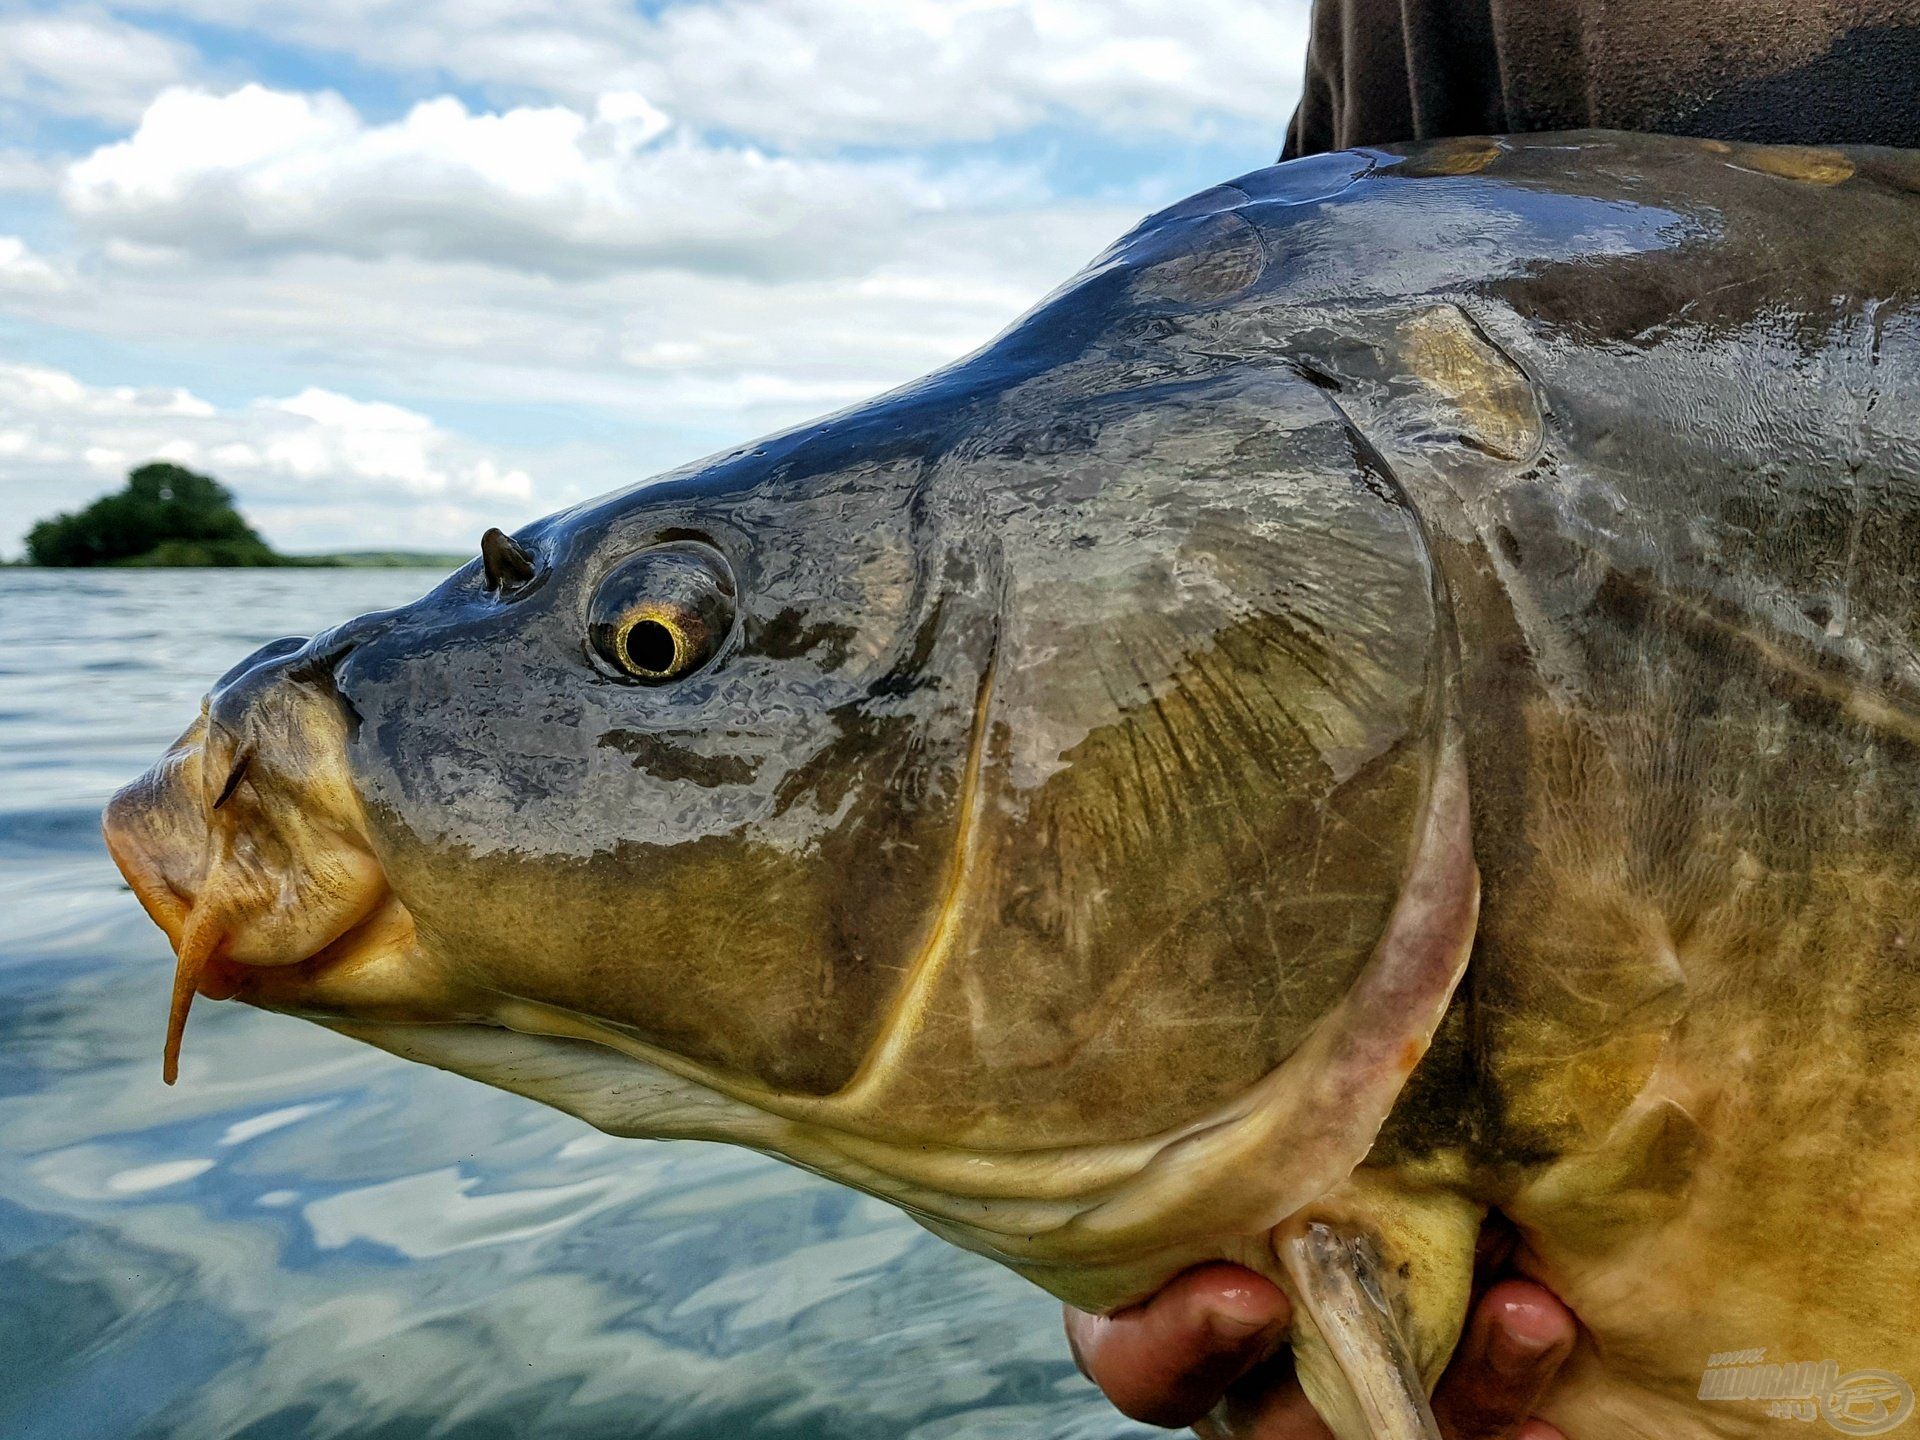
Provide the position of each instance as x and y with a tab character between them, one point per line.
250	852
371	931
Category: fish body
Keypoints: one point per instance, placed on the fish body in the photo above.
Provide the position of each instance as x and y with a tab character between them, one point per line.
1390	697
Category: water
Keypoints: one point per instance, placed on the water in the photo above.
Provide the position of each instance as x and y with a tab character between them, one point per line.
308	1238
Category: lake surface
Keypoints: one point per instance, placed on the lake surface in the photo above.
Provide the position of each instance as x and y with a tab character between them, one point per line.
308	1238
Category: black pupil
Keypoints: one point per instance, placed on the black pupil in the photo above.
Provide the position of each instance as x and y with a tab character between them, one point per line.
650	647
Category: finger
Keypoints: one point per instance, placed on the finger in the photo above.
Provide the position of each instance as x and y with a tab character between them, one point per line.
1168	1361
1517	1339
1279	1410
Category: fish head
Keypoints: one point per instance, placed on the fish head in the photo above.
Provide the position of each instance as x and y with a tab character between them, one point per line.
1012	796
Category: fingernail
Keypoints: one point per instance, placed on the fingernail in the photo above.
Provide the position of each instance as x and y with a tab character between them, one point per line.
1234	1328
1236	1317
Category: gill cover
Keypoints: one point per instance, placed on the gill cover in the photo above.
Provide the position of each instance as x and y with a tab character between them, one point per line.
1210	724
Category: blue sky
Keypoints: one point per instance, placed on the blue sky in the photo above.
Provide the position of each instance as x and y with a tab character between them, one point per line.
396	270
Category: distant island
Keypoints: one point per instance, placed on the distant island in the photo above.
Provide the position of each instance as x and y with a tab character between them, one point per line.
169	516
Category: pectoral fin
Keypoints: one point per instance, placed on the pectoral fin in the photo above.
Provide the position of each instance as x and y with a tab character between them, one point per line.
1376	1393
1379	1301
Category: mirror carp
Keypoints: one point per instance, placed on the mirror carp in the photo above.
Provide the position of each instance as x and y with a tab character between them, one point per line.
1392	696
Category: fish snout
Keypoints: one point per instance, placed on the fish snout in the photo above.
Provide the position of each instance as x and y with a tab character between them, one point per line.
246	842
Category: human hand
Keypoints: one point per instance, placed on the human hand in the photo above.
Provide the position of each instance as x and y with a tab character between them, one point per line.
1208	1351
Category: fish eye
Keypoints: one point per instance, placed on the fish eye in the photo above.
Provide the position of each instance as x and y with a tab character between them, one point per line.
663	614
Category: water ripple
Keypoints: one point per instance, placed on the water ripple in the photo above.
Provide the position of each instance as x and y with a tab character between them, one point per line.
308	1239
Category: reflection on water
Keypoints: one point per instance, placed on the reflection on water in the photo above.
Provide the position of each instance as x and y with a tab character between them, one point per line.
308	1238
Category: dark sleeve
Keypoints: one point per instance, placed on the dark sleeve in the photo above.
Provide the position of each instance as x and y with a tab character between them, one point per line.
1776	71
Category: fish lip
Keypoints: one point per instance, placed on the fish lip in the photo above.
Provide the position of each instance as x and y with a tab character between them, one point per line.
173	910
286	986
164	904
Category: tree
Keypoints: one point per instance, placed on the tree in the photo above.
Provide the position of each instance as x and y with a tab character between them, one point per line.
167	514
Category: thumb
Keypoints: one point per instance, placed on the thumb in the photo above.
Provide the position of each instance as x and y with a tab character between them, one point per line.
1516	1341
1169	1360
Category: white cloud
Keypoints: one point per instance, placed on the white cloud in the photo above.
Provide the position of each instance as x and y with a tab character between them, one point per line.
312	469
584	249
677	364
384	447
826	71
23	272
540	188
821	72
659	369
845	305
23	172
84	63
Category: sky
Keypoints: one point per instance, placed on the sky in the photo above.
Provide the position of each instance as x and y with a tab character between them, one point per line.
398	270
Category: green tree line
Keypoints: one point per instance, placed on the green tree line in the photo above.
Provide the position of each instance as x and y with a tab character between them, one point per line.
166	515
